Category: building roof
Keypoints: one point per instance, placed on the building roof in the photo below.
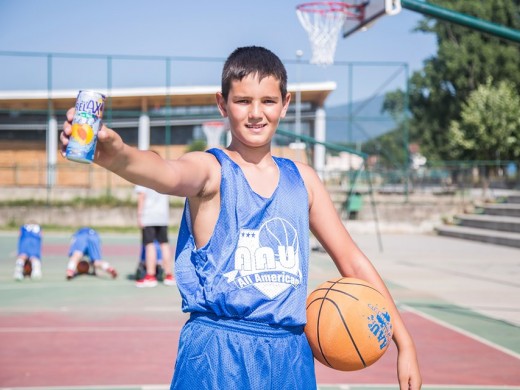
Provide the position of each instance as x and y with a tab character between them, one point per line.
144	98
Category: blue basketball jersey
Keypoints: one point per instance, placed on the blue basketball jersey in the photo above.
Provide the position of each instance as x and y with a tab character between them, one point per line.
255	265
30	240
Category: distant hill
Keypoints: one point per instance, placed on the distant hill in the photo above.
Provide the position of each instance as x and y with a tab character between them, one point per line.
368	122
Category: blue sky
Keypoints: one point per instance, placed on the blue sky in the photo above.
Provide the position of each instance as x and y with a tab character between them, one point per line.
203	28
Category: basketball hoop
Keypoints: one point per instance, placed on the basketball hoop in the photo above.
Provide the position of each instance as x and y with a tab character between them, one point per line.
213	131
323	22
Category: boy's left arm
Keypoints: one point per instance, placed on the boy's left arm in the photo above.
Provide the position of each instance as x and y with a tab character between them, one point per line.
330	231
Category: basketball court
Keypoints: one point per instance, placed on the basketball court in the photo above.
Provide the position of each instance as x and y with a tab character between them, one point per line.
458	298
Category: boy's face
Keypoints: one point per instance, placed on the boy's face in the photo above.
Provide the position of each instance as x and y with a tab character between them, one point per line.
254	108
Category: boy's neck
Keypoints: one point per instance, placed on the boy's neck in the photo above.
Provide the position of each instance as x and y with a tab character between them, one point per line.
245	155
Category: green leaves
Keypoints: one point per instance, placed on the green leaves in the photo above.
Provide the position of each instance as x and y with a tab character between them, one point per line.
489	124
464	102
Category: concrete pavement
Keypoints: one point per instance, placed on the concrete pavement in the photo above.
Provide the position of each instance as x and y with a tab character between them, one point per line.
482	277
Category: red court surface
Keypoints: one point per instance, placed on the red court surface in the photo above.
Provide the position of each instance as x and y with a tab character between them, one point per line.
54	349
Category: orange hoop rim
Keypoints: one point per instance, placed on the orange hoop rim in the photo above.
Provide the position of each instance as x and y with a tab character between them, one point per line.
324	7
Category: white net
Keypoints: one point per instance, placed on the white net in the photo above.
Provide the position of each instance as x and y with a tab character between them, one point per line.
323	22
213	132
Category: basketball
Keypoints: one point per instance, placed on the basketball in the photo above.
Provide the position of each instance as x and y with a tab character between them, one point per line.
83	267
27	268
348	324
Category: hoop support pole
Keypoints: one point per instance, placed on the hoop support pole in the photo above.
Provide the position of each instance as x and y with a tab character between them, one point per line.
435	11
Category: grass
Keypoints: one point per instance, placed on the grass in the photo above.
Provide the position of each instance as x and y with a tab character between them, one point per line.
12	226
79	203
100	201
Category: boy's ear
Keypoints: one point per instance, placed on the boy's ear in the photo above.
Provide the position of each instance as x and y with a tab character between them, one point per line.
285	105
221	104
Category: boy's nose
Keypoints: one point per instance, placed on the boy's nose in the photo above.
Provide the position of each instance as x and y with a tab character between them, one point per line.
255	111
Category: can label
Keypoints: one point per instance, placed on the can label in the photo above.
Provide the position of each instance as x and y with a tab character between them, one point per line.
85	127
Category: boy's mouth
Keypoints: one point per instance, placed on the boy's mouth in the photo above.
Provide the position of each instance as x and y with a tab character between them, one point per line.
256	126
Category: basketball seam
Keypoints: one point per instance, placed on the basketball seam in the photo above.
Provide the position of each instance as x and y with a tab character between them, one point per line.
342	320
357	284
348	332
338	291
318	333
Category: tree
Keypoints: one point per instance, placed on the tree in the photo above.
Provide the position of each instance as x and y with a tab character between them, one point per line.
465	59
489	125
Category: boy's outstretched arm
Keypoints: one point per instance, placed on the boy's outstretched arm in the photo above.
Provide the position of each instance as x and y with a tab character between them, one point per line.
351	262
189	176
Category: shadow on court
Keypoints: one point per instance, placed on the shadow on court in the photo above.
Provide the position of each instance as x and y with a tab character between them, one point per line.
94	332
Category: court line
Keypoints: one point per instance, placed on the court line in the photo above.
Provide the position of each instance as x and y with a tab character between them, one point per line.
429	386
36	285
81	329
320	387
87	309
96	387
461	331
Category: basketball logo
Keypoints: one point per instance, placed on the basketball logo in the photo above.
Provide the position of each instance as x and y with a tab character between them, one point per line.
279	234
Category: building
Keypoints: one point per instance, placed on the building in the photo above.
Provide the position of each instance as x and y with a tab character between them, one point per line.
159	117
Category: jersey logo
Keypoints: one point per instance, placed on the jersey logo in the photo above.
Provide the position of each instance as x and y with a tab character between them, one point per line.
267	258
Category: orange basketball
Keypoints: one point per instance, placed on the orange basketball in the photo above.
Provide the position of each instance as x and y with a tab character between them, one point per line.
83	267
27	268
348	324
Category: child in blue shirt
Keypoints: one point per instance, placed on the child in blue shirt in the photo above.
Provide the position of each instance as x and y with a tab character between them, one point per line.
86	242
243	248
29	251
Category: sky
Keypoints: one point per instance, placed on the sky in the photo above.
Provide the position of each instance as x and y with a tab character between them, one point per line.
379	57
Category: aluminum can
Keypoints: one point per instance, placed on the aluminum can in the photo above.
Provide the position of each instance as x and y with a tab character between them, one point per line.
85	126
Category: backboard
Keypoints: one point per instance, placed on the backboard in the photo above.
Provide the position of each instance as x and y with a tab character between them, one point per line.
373	10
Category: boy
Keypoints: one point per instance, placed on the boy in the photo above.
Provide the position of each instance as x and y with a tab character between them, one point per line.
86	242
29	250
243	247
141	266
153	218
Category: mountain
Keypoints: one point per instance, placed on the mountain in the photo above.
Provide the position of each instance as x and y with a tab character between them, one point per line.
369	122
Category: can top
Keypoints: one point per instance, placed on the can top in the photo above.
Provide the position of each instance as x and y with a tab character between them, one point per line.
91	92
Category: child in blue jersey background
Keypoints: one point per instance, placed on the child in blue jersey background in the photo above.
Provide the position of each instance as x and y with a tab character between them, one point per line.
243	248
85	242
29	250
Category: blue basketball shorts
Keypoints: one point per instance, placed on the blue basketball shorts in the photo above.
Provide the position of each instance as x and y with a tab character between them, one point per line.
89	246
216	353
29	247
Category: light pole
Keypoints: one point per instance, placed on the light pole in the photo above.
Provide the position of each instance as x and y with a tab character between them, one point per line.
298	120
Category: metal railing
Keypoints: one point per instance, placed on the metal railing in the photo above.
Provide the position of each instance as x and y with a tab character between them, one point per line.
438	178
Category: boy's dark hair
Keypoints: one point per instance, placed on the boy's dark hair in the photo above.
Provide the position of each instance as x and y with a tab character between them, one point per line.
255	60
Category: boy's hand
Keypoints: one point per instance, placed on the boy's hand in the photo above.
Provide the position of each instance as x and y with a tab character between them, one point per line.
108	141
67	129
408	370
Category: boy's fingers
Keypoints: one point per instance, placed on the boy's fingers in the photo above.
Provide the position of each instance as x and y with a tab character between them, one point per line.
67	129
64	142
103	133
70	114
